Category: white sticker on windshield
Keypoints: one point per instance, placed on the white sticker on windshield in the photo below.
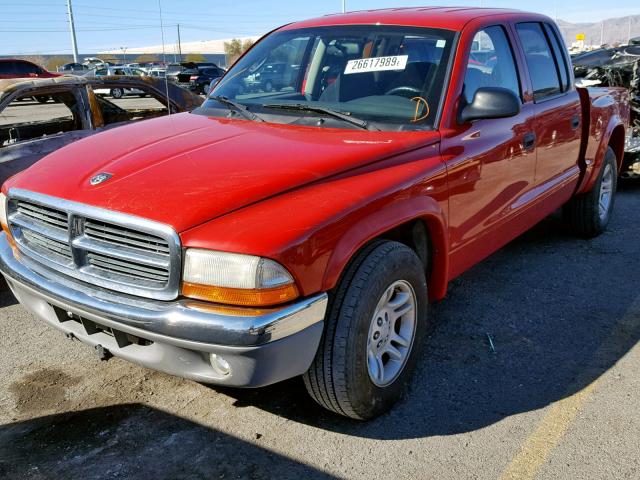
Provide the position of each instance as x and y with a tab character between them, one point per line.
377	64
441	43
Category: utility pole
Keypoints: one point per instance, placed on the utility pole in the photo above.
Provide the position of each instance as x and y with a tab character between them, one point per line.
629	37
179	44
602	33
72	29
344	6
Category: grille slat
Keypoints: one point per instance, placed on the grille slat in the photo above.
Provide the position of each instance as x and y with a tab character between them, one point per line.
90	245
45	215
127	268
126	237
41	242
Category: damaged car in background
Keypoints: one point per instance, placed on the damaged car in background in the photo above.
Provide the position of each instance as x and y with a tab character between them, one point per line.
621	70
73	110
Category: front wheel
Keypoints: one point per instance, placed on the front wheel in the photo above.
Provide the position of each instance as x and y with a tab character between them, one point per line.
588	214
375	325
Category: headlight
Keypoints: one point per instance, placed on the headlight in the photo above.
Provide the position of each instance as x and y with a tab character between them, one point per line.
236	279
3	211
5	223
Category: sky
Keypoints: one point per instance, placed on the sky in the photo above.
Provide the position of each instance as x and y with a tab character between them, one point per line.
32	27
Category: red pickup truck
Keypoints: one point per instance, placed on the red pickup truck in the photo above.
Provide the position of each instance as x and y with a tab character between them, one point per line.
303	230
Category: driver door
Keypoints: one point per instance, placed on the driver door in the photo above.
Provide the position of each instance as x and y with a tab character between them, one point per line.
491	164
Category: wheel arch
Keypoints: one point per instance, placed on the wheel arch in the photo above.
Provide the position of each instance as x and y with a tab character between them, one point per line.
617	142
614	137
423	230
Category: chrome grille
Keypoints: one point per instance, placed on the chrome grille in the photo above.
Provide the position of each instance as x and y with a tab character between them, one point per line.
108	249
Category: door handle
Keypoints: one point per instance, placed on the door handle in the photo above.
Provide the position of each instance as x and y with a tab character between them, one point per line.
529	141
575	122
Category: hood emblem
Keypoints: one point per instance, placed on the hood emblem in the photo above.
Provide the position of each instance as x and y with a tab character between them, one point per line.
100	177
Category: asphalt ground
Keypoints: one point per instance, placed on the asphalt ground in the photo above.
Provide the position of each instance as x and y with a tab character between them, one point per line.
531	372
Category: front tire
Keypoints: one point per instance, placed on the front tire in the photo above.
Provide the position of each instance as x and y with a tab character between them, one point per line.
376	323
588	214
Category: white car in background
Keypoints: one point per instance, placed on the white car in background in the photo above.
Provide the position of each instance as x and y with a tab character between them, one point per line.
157	72
117	71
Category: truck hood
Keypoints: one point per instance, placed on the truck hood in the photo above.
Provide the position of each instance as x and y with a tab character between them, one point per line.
186	169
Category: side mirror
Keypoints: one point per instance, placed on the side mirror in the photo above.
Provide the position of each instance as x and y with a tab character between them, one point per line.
491	102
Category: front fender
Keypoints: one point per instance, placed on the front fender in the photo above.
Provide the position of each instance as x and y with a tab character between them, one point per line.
315	230
390	216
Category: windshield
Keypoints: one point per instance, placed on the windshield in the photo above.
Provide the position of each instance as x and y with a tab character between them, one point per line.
388	77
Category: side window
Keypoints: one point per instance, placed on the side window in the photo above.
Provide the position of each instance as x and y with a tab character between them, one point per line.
7	68
491	63
540	60
26	68
27	119
561	58
144	103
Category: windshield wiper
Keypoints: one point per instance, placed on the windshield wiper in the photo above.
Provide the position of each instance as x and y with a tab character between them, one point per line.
238	107
344	116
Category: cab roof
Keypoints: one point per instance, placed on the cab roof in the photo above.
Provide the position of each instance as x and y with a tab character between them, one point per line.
451	18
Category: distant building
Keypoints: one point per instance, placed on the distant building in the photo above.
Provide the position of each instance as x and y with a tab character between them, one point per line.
213	50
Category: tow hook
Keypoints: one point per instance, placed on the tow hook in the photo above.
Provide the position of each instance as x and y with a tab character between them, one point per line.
103	353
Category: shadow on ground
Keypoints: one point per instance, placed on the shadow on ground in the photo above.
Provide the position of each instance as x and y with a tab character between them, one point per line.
559	314
134	441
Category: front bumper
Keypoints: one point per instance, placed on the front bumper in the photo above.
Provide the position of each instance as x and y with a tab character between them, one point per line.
261	347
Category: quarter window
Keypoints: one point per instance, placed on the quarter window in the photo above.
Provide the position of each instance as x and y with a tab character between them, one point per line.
543	70
491	63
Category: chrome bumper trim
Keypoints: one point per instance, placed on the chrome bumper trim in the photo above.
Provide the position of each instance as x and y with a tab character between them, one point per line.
181	319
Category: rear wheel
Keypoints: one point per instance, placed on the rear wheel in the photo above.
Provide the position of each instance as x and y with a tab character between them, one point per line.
117	92
375	325
588	214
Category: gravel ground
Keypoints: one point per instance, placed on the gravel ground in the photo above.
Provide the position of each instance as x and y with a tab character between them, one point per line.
556	396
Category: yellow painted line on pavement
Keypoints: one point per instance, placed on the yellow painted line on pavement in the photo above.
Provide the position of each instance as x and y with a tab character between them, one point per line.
537	448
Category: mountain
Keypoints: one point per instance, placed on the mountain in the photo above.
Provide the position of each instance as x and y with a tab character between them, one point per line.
616	30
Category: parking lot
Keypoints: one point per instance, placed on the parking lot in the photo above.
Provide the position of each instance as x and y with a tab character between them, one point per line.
32	111
531	372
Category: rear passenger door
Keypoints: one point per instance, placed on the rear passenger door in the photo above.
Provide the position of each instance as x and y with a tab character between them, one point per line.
557	103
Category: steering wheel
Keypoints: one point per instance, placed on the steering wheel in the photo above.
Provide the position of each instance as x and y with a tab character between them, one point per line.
404	91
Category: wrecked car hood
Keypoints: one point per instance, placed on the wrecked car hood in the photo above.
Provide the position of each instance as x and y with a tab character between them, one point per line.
186	169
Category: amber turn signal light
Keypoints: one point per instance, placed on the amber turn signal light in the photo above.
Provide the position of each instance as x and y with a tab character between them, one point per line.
238	296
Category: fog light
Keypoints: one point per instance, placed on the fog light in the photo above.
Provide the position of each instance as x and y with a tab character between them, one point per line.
220	365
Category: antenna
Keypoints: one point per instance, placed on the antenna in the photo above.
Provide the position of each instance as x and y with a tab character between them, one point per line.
164	59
